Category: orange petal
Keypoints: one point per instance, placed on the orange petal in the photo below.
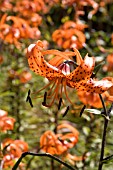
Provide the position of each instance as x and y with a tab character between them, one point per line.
83	71
94	86
39	65
3	19
110	98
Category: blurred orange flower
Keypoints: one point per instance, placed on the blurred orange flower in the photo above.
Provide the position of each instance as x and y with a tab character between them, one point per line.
26	8
5	5
73	158
6	123
18	30
59	143
92	99
1	59
102	3
58	71
109	65
110	91
80	6
25	76
13	150
70	35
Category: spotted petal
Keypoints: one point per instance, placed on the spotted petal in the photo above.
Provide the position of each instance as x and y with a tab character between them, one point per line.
97	86
94	86
39	65
84	70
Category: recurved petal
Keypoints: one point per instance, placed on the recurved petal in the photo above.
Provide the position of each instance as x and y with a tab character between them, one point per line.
94	86
59	56
84	70
39	65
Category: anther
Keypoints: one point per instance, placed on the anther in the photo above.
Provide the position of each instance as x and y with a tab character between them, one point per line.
45	96
28	99
82	110
60	102
65	113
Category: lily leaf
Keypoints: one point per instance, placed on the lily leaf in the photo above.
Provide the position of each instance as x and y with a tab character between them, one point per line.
97	68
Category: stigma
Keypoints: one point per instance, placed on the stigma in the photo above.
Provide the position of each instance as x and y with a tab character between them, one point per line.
65	68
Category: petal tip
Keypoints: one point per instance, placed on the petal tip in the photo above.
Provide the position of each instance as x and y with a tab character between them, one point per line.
31	46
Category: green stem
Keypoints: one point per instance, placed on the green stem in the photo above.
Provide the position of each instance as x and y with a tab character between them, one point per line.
41	154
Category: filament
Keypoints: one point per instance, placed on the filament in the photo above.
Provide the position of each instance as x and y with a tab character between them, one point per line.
55	96
43	88
64	85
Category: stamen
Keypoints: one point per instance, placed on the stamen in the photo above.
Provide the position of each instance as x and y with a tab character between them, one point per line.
43	87
45	96
55	96
61	91
60	102
82	110
55	82
64	85
65	113
28	99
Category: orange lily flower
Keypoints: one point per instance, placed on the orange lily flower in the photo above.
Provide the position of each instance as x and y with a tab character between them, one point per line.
73	158
70	35
110	91
92	99
25	76
26	8
25	30
6	5
18	30
6	123
79	6
59	143
14	149
102	3
58	71
109	65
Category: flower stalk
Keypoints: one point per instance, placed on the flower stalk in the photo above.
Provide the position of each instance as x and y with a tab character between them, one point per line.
103	143
43	155
106	121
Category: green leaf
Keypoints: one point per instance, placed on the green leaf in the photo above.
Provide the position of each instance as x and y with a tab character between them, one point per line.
7	93
97	68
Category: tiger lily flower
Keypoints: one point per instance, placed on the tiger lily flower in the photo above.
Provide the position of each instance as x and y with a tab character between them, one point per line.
59	143
6	123
18	30
60	74
13	150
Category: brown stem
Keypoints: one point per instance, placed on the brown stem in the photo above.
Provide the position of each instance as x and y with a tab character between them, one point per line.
41	155
104	134
103	143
